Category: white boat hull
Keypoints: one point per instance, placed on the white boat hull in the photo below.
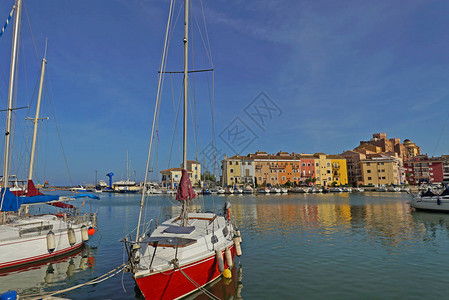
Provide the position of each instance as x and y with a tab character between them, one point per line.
435	203
18	247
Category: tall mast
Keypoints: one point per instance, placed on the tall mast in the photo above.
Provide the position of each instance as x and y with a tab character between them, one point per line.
186	63
14	51
36	117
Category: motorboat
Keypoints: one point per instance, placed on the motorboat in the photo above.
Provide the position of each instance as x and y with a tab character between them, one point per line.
430	201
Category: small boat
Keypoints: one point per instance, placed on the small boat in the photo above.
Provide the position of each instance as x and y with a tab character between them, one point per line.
347	189
263	190
229	191
394	189
358	189
381	189
220	190
247	190
284	190
430	201
336	190
238	191
275	190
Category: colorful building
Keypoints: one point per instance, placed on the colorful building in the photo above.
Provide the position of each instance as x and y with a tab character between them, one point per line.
172	177
381	169
237	170
422	168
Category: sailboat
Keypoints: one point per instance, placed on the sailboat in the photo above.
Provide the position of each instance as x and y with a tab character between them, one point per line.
26	238
188	251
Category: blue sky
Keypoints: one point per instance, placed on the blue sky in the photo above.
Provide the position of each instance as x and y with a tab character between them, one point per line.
334	72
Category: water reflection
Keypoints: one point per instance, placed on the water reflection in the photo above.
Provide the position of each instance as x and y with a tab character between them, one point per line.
382	218
432	224
49	275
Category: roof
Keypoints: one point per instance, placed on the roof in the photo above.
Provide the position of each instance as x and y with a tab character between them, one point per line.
174	170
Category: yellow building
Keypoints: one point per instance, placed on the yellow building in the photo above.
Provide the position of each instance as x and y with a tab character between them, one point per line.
195	168
380	169
339	169
232	170
330	169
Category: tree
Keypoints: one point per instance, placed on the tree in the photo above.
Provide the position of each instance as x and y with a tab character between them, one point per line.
208	177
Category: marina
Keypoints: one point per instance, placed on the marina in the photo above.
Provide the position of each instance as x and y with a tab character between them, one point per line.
337	245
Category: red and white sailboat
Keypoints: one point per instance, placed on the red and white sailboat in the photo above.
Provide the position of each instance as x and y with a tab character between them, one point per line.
186	252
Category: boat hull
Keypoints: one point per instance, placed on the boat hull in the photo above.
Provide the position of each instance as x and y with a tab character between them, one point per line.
22	251
440	204
173	284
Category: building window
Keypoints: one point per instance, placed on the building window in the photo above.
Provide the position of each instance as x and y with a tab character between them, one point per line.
308	164
328	165
317	164
368	164
303	164
236	163
230	163
249	163
381	163
383	177
383	170
231	170
368	171
369	178
176	176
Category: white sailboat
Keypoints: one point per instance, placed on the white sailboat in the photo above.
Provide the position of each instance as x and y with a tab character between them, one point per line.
186	252
26	238
431	202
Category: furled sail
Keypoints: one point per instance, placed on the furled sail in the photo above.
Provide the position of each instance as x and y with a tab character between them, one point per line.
185	190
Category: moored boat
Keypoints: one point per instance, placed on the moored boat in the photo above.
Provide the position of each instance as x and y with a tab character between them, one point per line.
184	253
431	202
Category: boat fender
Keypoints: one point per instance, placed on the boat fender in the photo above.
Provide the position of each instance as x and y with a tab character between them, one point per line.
228	256
239	235
84	233
227	211
438	201
227	274
238	249
220	262
9	295
51	244
71	236
91	231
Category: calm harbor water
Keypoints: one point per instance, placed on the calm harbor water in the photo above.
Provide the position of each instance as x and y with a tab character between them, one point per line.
297	246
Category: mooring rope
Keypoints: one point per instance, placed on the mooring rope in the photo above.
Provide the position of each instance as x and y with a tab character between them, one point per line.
99	279
199	287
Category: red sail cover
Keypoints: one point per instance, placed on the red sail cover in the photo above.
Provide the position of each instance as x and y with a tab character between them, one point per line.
32	191
185	190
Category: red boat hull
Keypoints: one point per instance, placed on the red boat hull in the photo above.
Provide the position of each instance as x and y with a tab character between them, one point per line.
173	284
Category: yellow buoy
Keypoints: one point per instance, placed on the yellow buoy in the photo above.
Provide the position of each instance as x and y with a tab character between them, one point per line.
227	274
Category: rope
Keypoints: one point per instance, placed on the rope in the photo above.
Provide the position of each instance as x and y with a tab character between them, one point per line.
7	20
97	280
199	287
